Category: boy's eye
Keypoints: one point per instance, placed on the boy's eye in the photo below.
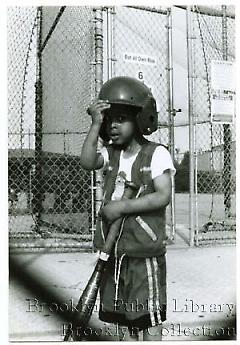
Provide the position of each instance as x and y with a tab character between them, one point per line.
121	118
116	118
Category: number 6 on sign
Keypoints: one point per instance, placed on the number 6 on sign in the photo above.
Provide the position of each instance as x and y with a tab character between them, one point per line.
140	75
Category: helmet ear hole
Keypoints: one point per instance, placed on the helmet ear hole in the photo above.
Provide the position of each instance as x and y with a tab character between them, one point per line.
152	118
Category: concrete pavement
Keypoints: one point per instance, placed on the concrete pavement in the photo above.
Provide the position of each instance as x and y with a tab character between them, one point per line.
201	294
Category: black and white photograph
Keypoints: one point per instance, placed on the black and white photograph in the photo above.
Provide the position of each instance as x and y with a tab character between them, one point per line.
121	159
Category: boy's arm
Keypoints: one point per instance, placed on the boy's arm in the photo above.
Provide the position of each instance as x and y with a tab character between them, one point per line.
150	202
90	159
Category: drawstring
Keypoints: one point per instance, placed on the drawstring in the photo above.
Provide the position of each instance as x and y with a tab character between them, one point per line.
101	228
141	189
118	263
101	222
117	274
120	234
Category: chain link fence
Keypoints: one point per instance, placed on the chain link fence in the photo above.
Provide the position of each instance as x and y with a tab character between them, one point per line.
67	76
54	74
22	45
214	144
51	83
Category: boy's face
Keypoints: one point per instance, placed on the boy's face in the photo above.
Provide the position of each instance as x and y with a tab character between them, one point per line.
121	124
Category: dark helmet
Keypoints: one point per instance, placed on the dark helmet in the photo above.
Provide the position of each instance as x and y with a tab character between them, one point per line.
131	92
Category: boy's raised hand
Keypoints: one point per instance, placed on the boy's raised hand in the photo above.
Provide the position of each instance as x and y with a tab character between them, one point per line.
95	110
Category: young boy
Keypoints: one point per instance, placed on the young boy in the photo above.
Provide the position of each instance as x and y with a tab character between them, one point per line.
133	292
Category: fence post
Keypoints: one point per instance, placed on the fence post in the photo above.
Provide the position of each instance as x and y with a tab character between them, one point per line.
38	191
98	84
191	123
195	153
110	38
226	129
171	113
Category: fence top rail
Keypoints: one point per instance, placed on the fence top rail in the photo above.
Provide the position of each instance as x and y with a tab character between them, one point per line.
210	11
150	9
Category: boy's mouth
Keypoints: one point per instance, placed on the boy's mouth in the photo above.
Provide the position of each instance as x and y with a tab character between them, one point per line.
114	136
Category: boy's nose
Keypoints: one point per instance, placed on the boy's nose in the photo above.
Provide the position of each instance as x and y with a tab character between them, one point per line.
113	123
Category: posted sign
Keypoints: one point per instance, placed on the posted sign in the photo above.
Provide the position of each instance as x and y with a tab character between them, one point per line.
140	59
222	91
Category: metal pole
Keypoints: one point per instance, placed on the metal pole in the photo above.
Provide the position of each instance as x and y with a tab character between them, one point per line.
98	85
195	153
114	41
171	113
109	43
92	207
29	139
191	124
226	129
196	196
64	143
38	192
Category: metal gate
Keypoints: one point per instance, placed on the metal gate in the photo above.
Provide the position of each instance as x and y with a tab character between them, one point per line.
138	43
211	35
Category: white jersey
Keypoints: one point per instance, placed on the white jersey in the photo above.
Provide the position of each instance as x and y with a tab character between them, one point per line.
161	161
